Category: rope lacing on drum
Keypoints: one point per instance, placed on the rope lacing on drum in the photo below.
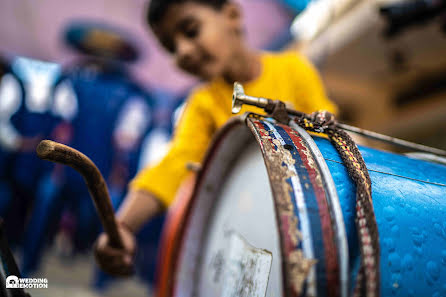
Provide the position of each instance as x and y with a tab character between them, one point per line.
367	283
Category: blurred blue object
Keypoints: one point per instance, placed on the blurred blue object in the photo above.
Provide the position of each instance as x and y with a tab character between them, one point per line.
104	115
46	210
25	118
33	120
296	5
167	111
9	86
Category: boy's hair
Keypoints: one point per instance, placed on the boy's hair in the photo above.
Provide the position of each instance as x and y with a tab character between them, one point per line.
158	8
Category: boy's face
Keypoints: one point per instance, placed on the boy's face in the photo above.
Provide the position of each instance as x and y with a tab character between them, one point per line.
203	40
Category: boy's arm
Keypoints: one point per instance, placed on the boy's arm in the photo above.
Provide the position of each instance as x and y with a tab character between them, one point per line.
138	207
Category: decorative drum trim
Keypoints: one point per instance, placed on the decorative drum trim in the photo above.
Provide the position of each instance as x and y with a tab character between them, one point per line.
334	205
312	240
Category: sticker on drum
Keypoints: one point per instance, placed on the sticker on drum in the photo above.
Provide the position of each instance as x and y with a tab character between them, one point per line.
242	268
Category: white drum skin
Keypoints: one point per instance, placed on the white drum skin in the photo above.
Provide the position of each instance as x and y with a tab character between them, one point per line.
245	206
232	195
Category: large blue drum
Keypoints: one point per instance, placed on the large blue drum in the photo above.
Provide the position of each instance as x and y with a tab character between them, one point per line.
273	214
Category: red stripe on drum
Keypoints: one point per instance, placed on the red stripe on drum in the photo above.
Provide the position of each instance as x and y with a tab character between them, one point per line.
331	254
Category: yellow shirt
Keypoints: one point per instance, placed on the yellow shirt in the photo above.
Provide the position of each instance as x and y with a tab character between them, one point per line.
284	76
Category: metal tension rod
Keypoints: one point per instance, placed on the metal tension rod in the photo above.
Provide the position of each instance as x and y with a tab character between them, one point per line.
239	98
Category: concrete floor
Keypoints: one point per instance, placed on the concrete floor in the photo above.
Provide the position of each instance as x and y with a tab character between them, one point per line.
72	278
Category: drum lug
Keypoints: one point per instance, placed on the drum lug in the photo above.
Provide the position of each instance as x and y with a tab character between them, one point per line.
279	112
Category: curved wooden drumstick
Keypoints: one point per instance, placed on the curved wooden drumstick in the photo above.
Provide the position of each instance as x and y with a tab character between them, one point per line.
59	153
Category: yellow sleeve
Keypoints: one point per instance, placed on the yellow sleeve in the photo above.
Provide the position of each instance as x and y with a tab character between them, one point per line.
310	92
191	139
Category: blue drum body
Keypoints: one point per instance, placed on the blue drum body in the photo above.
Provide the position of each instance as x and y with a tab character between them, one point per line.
409	198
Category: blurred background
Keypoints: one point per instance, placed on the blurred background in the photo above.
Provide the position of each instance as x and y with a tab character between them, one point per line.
90	74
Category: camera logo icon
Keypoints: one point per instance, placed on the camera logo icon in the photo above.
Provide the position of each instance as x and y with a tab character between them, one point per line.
12	282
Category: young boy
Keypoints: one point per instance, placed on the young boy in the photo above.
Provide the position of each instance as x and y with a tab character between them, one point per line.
206	39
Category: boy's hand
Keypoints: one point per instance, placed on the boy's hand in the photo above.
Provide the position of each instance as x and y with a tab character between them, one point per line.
117	262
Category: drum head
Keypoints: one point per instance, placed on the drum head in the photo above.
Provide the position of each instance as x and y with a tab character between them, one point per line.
231	242
241	245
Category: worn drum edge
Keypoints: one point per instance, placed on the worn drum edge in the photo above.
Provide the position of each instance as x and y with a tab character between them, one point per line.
335	206
309	237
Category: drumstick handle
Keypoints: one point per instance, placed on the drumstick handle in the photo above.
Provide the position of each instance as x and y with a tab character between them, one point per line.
59	153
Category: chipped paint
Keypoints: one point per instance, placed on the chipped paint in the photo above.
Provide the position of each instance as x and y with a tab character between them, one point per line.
279	161
330	246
